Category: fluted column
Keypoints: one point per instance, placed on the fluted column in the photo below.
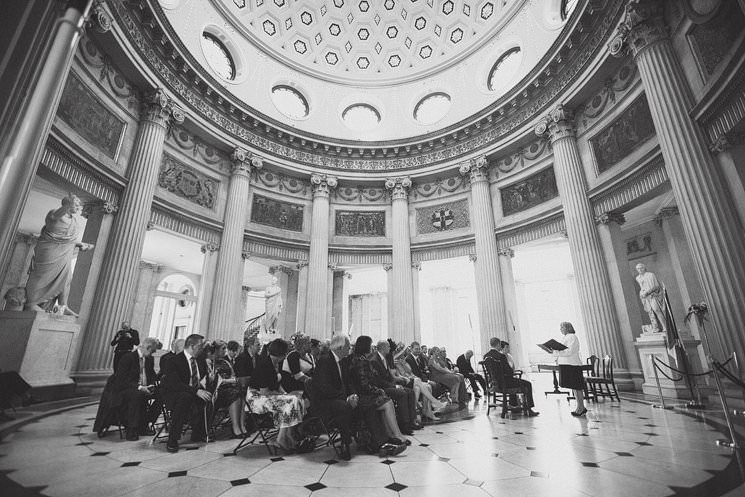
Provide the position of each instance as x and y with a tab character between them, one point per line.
510	302
20	159
593	284
711	224
302	295
316	303
401	290
226	296
206	287
416	268
489	291
722	150
115	290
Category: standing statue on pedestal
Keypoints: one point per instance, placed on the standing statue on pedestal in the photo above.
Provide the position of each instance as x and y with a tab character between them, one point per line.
653	298
273	301
51	268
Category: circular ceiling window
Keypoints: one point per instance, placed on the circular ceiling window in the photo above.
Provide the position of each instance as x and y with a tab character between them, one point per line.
290	102
218	56
504	69
432	108
361	117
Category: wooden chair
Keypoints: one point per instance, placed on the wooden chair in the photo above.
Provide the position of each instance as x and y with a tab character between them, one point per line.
497	379
601	378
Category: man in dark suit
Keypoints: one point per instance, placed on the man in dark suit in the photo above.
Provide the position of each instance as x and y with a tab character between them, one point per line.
330	395
527	388
184	393
463	362
401	395
418	362
177	346
134	382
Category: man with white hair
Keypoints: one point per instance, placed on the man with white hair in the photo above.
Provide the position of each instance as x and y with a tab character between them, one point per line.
652	297
134	380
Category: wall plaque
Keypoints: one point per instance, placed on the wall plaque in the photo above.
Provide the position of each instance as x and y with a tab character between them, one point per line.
624	135
83	112
639	246
360	223
442	217
530	192
277	214
187	182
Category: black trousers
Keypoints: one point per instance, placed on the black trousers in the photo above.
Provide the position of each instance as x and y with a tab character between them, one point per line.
526	387
183	406
339	414
405	406
476	379
137	412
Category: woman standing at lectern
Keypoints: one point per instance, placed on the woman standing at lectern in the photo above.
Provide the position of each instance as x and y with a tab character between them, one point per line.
570	367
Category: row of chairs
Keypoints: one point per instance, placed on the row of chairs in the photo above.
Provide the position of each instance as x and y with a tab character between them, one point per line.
599	378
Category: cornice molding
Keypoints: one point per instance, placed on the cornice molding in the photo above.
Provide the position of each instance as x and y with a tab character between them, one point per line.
174	220
530	230
648	176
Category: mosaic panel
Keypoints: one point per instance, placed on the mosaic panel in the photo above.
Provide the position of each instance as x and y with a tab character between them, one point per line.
530	192
187	182
443	217
278	214
360	223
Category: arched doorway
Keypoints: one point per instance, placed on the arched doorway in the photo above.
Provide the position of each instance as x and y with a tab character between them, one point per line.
174	308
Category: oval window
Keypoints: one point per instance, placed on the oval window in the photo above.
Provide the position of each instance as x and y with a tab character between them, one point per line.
432	108
290	102
361	117
218	56
504	69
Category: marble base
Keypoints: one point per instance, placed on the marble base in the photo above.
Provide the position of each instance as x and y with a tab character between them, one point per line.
653	345
40	346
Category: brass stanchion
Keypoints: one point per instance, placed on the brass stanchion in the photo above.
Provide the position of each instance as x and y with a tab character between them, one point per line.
659	388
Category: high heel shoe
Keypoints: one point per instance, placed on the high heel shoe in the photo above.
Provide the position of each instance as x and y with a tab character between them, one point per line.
237	436
580	413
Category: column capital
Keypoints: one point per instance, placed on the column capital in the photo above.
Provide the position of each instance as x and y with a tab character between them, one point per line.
643	25
242	161
557	124
477	169
333	267
210	247
665	214
151	266
610	217
416	265
102	206
245	255
98	19
722	144
150	226
280	269
507	252
472	257
387	267
159	109
322	184
347	275
398	187
301	265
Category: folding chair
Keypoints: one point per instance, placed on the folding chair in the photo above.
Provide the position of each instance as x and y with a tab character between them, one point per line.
317	426
265	430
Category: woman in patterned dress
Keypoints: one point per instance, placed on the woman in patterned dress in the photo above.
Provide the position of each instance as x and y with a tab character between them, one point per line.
266	394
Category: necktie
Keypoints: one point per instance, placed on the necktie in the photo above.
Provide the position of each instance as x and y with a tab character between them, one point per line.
143	378
194	372
341	376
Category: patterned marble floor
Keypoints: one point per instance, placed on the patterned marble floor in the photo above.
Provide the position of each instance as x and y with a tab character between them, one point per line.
626	449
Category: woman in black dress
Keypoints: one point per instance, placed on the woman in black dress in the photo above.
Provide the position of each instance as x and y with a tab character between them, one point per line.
227	390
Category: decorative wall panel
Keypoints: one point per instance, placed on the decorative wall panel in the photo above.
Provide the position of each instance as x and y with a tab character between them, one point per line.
360	223
624	135
530	192
83	112
442	217
187	182
277	214
711	41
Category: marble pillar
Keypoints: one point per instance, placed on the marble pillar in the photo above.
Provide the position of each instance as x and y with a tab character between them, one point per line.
226	295
290	304
489	291
142	310
722	149
19	262
337	300
388	268
711	225
416	268
593	284
510	303
302	294
316	303
206	287
401	290
20	160
116	285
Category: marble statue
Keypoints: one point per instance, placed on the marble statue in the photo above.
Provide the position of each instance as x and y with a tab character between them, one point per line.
51	267
273	302
652	297
15	298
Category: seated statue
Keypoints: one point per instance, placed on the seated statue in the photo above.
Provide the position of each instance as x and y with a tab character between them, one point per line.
51	268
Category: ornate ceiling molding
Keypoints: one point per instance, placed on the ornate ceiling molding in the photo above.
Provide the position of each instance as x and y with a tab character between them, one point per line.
146	28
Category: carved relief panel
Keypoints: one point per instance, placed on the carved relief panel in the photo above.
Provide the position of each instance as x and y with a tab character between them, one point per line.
443	217
360	223
530	192
187	182
277	214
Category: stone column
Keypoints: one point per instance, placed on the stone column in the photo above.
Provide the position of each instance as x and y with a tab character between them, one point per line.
115	290
510	302
401	290
337	300
302	295
316	303
623	289
290	304
144	302
206	286
21	159
722	149
19	262
416	268
489	291
711	224
226	296
283	278
388	268
593	284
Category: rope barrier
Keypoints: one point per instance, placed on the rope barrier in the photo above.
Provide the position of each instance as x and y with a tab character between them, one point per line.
654	362
731	377
705	373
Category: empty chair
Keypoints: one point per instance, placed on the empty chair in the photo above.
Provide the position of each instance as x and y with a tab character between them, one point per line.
601	380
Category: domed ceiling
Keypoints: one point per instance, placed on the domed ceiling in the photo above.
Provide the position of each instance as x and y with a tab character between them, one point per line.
369	41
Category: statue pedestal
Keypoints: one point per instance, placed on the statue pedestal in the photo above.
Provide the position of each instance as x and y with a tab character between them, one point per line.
40	346
653	345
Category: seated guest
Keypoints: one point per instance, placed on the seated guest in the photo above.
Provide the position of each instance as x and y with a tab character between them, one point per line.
183	391
246	360
134	381
234	348
525	386
422	389
419	362
315	349
464	367
228	391
440	373
266	395
298	366
373	400
177	346
402	396
452	367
